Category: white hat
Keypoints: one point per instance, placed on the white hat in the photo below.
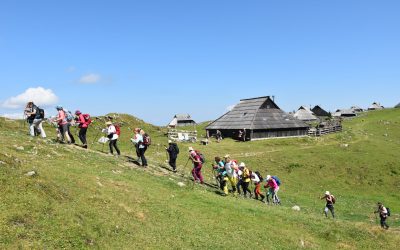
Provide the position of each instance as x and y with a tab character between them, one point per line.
242	165
227	156
169	141
327	193
268	177
191	149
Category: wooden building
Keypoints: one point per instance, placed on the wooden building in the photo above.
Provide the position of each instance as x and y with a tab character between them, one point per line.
305	114
257	118
181	120
320	112
375	106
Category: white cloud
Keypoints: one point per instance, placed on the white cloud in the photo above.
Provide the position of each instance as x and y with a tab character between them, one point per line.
13	115
230	107
90	78
40	96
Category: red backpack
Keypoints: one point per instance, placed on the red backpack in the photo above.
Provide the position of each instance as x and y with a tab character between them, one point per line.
118	130
87	119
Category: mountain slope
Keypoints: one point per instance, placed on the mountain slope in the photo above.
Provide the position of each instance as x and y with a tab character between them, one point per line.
85	199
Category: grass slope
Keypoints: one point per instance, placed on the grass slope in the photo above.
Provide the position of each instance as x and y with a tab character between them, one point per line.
85	199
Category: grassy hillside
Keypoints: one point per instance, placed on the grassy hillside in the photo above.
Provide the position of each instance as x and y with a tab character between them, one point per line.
85	199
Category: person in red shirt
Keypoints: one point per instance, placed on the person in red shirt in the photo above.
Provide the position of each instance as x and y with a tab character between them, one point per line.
83	126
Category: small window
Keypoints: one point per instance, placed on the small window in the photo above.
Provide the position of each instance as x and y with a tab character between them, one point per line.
244	114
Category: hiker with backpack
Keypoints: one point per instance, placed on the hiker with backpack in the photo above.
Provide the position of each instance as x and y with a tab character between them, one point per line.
245	179
173	151
230	168
256	178
113	136
273	190
83	121
70	122
221	175
35	118
384	212
197	165
330	200
137	140
146	140
62	125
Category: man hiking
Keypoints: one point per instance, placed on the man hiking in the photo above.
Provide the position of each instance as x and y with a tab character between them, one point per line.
383	214
256	178
330	200
35	119
83	125
112	136
173	152
230	167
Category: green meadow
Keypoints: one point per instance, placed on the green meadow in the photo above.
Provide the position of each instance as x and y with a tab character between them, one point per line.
85	199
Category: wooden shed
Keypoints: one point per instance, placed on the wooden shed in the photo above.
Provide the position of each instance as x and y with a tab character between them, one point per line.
305	114
181	120
375	106
320	112
258	118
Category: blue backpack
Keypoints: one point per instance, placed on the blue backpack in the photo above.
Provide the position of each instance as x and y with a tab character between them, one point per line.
276	180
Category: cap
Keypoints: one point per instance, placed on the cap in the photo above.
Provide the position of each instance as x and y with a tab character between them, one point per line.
108	123
169	141
327	193
268	177
227	156
191	149
58	107
242	165
78	112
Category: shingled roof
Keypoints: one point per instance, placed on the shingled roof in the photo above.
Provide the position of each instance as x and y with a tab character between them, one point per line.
256	113
305	114
375	106
318	111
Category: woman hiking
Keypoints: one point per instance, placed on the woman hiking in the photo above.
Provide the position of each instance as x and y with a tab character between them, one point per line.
245	179
221	175
62	122
83	126
173	152
197	165
112	136
273	188
256	178
140	147
34	119
383	214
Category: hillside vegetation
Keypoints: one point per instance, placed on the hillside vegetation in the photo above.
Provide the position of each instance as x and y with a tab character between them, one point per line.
86	199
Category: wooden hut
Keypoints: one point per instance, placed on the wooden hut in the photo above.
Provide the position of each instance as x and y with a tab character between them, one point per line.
375	106
258	118
346	113
305	114
320	112
181	120
356	109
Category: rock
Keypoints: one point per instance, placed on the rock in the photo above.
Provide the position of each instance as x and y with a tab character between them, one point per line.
181	184
344	145
296	208
20	148
31	173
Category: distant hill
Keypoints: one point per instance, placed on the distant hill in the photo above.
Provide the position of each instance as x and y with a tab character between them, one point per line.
86	199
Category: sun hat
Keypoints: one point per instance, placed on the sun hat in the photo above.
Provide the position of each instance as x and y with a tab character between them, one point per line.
191	149
268	177
327	193
169	141
242	165
108	123
227	156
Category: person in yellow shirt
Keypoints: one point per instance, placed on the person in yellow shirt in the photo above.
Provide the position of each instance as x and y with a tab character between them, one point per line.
246	178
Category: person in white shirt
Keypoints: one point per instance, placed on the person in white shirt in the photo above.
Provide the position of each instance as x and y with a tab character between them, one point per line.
230	172
141	148
112	136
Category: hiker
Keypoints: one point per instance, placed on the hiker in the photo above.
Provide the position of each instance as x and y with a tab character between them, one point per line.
239	179
330	200
273	190
230	167
83	124
245	179
113	137
70	122
197	165
383	214
173	151
62	125
140	147
146	140
222	176
218	135
35	117
256	178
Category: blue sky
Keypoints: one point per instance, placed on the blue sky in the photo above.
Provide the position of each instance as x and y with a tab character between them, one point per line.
153	59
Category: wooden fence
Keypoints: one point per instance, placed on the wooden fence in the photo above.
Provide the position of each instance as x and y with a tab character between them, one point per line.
325	130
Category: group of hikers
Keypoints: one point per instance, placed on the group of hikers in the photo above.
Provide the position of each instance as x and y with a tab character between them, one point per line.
227	171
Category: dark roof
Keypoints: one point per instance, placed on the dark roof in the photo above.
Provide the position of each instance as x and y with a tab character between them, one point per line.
318	111
256	113
397	106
